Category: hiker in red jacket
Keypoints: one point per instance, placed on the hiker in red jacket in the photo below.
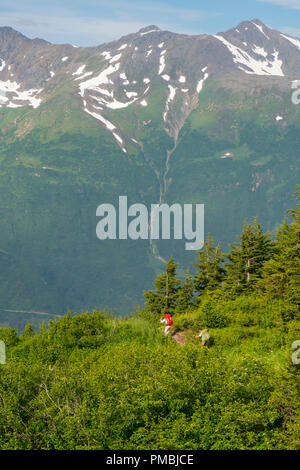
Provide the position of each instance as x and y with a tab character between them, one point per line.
168	321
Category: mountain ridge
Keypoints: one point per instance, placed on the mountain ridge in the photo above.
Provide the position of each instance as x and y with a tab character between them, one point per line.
156	115
111	90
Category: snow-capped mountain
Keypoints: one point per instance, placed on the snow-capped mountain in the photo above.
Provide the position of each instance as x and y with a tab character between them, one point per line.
126	72
157	116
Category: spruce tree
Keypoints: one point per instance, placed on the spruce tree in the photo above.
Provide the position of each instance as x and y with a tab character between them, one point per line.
185	294
281	274
210	271
246	259
166	291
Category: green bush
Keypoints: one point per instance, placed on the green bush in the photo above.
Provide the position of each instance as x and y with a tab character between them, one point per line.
211	315
94	381
9	336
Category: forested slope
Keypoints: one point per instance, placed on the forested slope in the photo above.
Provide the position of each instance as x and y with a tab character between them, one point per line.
95	381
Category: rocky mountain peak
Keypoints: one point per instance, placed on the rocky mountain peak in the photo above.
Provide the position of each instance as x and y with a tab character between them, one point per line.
130	71
148	29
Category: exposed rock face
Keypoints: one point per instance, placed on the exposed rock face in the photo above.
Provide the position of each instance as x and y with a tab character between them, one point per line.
128	72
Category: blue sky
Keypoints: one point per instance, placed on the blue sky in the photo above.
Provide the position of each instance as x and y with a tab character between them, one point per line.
92	22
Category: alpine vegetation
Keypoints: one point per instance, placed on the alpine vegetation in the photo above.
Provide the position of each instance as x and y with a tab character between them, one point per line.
209	362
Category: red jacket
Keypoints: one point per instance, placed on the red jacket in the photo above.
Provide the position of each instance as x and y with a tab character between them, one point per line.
168	319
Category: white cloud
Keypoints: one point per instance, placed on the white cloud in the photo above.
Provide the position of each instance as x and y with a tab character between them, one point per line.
93	22
294	4
82	31
290	30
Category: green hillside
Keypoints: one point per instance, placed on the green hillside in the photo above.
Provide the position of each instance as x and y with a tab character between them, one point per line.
52	181
58	164
95	381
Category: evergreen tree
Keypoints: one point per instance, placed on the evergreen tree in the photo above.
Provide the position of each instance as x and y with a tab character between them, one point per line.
185	294
166	290
28	331
210	271
246	258
281	274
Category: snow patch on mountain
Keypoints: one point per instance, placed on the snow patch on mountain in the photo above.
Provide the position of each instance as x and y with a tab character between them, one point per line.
101	79
172	92
111	127
151	31
13	88
107	123
118	138
260	51
122	47
294	41
86	74
253	66
13	105
226	155
103	91
80	70
52	74
106	54
130	94
260	29
201	82
115	104
162	62
115	58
